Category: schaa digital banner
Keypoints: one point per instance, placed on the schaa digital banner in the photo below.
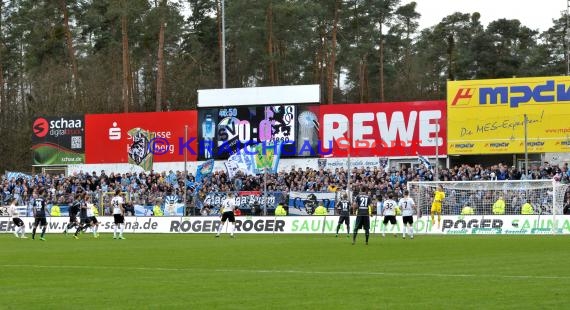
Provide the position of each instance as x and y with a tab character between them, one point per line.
58	140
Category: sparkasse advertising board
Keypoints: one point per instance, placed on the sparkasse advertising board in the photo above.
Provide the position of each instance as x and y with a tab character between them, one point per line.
108	136
488	116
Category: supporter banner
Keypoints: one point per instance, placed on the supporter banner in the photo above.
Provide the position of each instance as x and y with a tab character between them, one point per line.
245	200
384	129
139	151
107	138
58	140
300	202
175	209
359	162
451	225
488	116
224	131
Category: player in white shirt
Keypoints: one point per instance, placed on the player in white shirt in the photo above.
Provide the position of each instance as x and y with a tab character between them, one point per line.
389	213
117	203
20	227
407	205
91	216
228	207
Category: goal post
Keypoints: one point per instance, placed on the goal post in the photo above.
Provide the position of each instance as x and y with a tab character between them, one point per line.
534	206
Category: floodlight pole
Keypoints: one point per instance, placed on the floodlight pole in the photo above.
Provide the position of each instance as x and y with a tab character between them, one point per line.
436	149
223	44
185	167
526	145
265	191
348	189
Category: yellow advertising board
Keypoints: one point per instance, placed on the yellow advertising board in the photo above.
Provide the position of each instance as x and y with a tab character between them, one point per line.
488	116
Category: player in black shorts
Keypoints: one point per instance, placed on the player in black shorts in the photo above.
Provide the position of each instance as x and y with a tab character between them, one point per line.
39	209
363	213
343	207
84	221
73	210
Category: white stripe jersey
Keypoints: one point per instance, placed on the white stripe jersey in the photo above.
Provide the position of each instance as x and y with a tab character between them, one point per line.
90	212
12	211
390	207
228	205
116	203
407	206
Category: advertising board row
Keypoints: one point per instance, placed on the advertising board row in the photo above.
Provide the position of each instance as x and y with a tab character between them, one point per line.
375	129
451	225
479	117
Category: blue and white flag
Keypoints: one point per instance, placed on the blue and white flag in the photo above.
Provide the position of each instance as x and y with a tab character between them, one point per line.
204	170
425	162
15	175
242	161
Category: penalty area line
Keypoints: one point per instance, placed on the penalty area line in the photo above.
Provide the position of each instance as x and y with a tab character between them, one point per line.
300	272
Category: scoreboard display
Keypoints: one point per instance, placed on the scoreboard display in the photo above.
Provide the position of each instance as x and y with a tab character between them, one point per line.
223	131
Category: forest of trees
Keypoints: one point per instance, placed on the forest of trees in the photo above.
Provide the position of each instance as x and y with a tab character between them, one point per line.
65	57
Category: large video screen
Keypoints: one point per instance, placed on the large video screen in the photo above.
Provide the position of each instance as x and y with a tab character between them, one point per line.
223	131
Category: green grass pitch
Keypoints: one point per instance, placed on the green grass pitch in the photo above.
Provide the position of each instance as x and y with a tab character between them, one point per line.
190	271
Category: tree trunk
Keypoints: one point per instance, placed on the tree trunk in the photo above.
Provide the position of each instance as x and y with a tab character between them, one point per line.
269	18
70	48
160	70
381	65
220	47
2	96
125	39
332	60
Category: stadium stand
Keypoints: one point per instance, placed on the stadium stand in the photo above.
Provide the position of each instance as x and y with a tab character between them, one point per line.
150	188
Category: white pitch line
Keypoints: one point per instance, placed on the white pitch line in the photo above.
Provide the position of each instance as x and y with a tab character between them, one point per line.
363	273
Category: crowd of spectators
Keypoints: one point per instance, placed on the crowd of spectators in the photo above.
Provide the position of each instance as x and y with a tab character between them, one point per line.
153	187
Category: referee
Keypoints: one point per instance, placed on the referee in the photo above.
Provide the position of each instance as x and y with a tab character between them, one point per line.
363	213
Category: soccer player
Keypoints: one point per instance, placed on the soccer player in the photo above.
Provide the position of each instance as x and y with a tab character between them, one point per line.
84	222
39	209
363	213
228	207
20	227
438	198
343	207
118	205
407	206
73	210
389	213
93	223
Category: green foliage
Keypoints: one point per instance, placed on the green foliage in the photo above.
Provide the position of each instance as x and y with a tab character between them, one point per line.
282	42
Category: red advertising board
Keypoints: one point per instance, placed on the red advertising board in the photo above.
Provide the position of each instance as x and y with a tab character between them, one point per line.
384	129
107	138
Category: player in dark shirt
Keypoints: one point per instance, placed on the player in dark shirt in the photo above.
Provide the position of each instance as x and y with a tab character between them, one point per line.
311	204
343	207
73	210
39	209
84	221
363	213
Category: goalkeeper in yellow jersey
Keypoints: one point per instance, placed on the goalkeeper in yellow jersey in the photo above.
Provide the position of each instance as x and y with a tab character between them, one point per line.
438	198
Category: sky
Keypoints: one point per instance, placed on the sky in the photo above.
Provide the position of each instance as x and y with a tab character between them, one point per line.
536	15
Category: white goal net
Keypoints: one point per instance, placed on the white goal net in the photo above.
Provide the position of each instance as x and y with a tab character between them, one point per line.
543	199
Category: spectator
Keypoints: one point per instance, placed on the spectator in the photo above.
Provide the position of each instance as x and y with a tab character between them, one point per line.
280	211
321	210
499	206
527	209
467	210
